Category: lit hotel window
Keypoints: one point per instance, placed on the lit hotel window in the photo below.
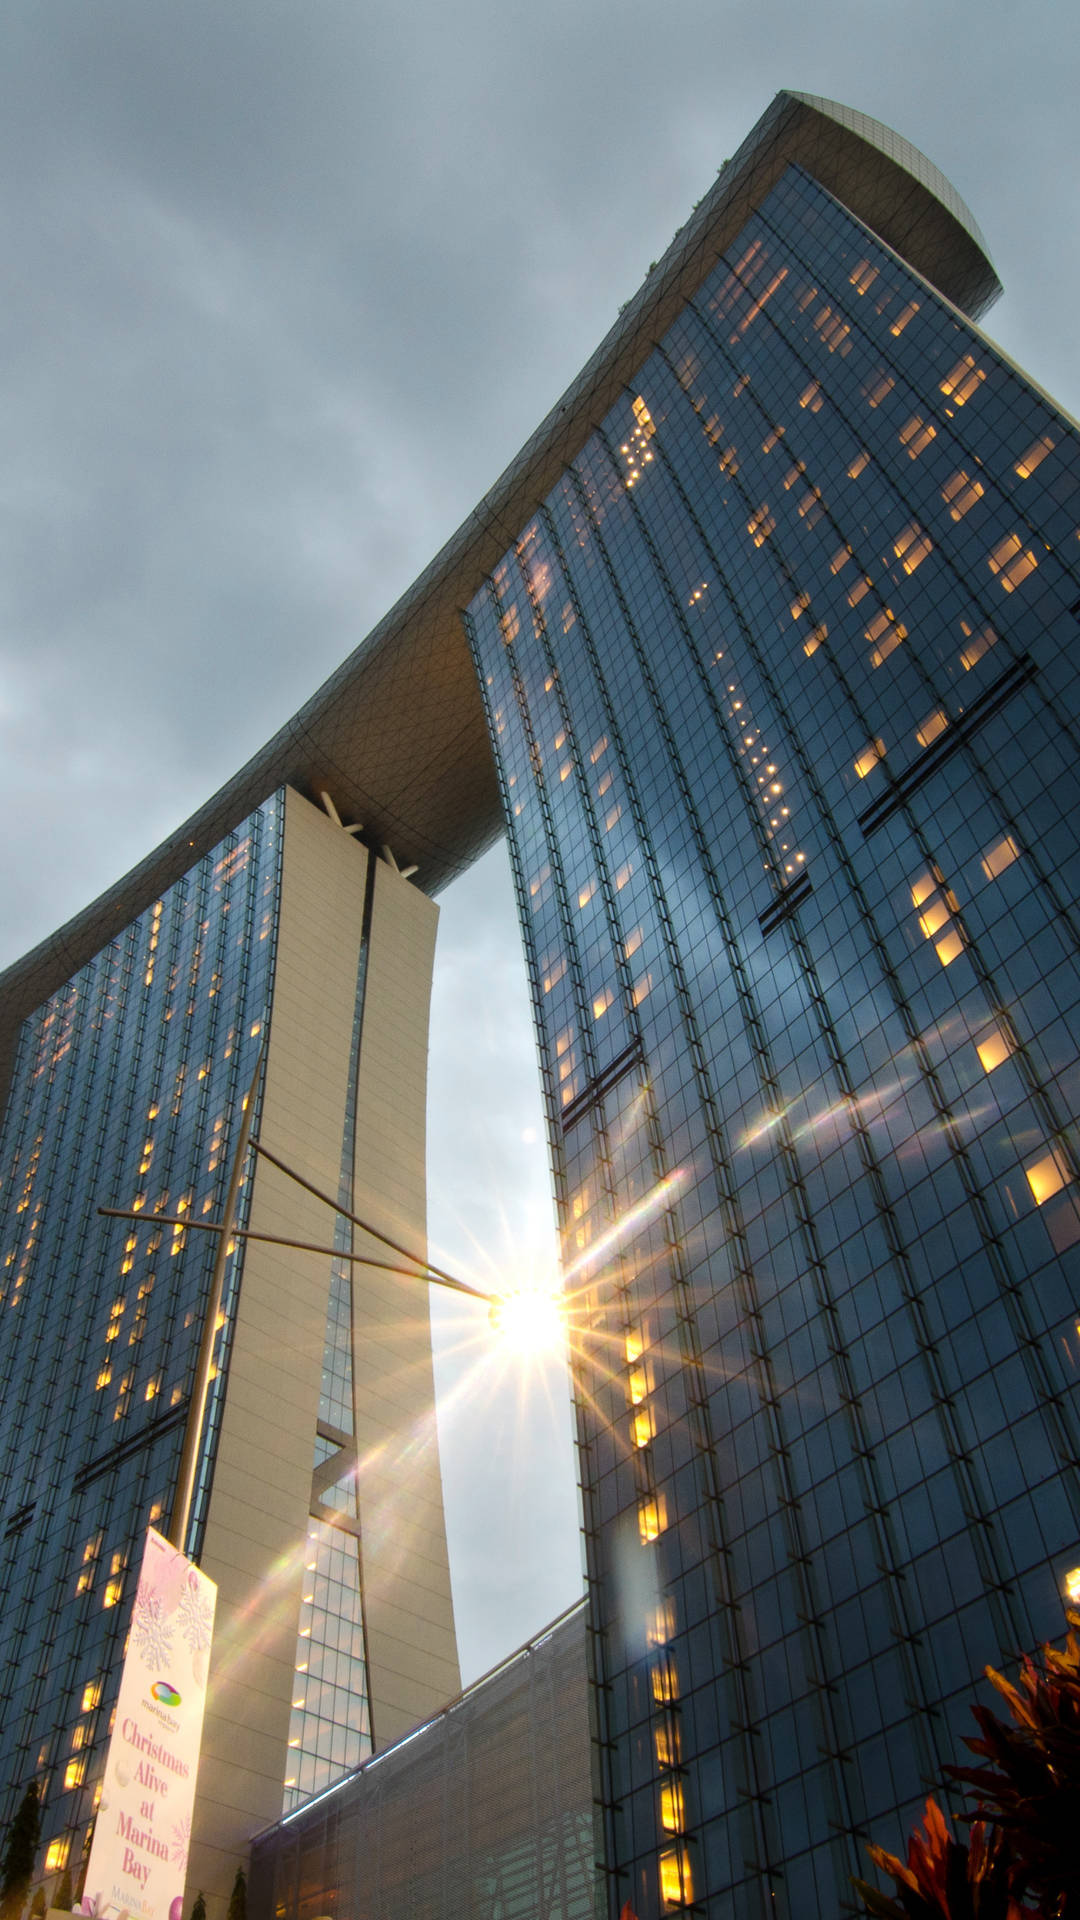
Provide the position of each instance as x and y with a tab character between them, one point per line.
1047	1175
676	1886
642	1427
963	381
960	494
932	726
869	757
1011	561
672	1807
992	1049
996	858
652	1518
1034	456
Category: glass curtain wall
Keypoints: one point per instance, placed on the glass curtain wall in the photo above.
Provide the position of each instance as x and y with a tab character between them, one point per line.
125	1092
781	683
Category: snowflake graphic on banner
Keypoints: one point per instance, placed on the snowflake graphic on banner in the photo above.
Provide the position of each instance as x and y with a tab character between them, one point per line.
181	1842
150	1630
196	1616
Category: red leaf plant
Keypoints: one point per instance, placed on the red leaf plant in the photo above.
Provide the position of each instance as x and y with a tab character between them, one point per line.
1023	1858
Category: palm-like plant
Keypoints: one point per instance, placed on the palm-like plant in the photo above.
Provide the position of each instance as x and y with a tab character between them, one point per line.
1024	1844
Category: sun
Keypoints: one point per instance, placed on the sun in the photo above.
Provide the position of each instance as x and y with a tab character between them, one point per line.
529	1320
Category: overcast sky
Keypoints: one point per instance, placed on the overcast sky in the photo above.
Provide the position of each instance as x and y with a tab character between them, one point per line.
285	287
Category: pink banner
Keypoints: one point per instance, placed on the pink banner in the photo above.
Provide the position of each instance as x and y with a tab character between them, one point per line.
138	1858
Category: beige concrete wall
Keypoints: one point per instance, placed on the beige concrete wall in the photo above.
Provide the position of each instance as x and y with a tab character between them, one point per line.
412	1651
257	1526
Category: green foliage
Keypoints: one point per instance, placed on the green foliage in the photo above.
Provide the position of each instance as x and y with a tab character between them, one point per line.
238	1898
20	1852
62	1898
1024	1836
198	1911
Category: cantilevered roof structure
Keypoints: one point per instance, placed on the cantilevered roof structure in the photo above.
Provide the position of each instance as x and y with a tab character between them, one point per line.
397	736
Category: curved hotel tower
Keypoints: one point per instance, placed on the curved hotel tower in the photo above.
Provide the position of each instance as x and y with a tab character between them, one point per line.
762	653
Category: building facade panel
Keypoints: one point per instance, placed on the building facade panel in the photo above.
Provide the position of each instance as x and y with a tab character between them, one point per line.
780	682
127	1090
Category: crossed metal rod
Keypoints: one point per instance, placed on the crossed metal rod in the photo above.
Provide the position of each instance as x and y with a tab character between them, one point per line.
227	1232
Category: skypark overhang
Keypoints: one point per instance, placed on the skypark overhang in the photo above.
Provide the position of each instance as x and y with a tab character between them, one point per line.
397	735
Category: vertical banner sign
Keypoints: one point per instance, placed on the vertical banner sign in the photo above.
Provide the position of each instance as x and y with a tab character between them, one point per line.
138	1858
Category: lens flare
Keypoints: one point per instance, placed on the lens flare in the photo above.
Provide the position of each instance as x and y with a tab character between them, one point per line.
529	1320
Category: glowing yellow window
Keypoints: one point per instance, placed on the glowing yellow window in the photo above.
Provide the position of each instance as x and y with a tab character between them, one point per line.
665	1680
652	1518
1047	1175
869	757
864	276
902	319
662	1623
555	973
1034	456
995	859
948	949
642	1427
566	770
859	591
860	462
1071	1584
642	989
761	524
632	942
56	1855
992	1049
964	380
1011	561
672	1807
638	1386
912	546
935	917
112	1594
978	644
611	818
91	1696
811	645
812	397
934	724
922	888
729	461
960	494
774	438
601	1003
633	1345
623	875
586	893
881	389
676	1885
885	633
669	1745
74	1773
600	747
840	559
540	880
916	434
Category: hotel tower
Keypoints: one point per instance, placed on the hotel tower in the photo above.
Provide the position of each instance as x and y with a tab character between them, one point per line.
763	655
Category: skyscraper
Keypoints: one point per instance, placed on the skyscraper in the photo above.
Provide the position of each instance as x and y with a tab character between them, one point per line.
318	1505
773	621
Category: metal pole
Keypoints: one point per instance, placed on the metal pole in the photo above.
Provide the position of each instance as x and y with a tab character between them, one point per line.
189	1458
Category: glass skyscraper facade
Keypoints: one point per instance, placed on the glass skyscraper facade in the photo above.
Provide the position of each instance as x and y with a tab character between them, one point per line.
124	1085
781	682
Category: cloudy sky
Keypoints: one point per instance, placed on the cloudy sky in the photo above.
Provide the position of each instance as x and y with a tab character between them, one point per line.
286	285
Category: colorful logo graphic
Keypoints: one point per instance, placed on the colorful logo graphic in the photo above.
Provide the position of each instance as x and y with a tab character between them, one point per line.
167	1695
